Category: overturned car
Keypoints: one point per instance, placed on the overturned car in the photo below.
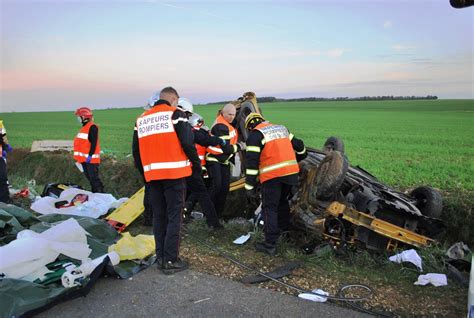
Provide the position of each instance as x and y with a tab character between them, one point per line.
347	205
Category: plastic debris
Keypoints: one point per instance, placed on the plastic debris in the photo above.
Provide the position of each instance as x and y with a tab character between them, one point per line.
314	297
26	257
458	250
134	247
75	274
410	256
242	239
432	278
196	215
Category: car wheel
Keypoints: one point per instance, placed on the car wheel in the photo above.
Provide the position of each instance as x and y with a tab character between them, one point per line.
333	143
329	176
428	201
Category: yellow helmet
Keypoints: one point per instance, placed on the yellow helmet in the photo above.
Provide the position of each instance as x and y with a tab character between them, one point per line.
3	130
252	120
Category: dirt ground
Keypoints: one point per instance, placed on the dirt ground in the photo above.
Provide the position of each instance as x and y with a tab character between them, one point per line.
392	284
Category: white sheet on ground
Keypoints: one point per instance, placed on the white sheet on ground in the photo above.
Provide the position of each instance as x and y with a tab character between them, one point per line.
408	256
432	278
97	204
25	258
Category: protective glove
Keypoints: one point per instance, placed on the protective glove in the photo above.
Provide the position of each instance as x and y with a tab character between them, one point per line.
242	145
89	158
4	153
9	148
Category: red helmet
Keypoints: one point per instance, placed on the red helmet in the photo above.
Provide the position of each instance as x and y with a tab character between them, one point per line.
84	112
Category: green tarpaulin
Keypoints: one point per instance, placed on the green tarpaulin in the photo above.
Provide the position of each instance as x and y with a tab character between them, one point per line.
18	297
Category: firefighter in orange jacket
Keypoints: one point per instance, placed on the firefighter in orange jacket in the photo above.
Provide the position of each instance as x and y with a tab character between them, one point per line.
87	148
272	155
167	153
218	166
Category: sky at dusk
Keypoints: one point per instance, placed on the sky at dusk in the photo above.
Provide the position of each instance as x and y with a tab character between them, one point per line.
58	55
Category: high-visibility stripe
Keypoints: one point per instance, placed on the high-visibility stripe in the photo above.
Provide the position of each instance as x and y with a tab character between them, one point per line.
235	148
302	151
209	158
278	166
82	136
251	172
253	148
201	157
263	141
248	186
226	137
77	153
135	128
175	121
166	165
291	136
216	149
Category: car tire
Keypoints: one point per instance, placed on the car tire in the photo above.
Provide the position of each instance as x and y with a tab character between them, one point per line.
245	109
333	143
329	176
428	201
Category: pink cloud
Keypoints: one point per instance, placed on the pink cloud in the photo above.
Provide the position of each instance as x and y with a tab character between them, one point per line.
22	80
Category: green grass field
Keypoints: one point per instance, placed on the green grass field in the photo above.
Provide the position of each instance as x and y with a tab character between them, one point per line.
403	143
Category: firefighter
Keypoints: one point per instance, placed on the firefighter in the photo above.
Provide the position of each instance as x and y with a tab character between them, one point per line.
4	148
195	183
168	157
218	166
87	148
272	155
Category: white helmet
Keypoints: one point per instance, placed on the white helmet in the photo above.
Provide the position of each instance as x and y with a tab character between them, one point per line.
185	105
152	100
196	120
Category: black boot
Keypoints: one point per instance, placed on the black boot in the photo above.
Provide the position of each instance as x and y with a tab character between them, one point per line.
266	248
170	267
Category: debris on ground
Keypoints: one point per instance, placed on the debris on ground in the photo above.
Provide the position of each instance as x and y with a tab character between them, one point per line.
75	201
317	295
433	279
242	239
458	250
279	272
410	256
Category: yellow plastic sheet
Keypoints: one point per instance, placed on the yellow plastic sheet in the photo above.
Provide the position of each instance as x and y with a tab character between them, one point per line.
134	247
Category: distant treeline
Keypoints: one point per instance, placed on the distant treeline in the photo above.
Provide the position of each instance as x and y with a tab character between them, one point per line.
271	99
